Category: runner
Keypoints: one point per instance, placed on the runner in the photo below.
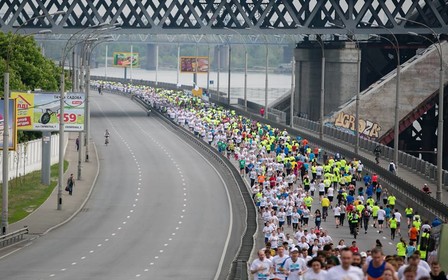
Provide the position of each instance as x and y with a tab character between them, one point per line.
261	267
295	267
375	269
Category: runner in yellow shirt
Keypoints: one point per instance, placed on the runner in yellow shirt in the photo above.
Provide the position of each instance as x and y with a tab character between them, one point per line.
308	200
409	214
325	204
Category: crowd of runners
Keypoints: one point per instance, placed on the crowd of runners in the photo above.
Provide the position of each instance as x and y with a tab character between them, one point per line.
296	186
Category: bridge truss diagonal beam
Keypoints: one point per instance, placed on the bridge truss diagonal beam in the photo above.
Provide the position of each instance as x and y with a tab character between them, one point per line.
215	17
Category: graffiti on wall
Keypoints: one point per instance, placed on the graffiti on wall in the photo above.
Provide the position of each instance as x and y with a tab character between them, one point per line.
366	128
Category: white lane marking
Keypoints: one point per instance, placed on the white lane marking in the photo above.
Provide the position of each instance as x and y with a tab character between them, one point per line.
73	263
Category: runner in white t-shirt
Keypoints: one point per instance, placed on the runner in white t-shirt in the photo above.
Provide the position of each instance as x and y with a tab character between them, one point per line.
261	267
381	217
316	272
295	267
345	270
278	264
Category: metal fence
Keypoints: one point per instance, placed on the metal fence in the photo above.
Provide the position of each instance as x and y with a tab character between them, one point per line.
408	161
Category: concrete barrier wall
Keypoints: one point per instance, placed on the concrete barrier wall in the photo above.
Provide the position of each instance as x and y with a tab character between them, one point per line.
28	157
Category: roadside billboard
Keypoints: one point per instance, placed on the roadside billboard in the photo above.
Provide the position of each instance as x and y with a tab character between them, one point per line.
40	111
12	127
188	64
124	59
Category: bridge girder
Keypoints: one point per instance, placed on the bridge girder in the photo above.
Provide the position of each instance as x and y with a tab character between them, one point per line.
247	17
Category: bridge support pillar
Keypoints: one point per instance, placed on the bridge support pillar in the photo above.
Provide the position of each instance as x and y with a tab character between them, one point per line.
223	56
340	78
151	57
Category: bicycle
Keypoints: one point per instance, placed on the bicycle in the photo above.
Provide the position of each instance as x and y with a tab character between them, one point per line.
106	141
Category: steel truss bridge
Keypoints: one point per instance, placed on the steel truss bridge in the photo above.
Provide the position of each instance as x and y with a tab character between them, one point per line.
225	21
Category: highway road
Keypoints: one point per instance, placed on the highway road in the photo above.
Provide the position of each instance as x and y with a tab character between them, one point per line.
159	210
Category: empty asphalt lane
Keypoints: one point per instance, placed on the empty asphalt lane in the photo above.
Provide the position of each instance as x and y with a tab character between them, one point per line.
157	209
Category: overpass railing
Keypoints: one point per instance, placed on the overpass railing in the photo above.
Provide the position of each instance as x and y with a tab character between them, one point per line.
424	168
273	114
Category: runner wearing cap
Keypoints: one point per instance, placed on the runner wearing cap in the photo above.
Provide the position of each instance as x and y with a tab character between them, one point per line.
295	266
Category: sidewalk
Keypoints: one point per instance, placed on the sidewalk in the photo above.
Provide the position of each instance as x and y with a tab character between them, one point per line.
47	217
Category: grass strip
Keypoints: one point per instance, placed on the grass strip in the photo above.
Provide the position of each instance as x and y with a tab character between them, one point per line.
27	193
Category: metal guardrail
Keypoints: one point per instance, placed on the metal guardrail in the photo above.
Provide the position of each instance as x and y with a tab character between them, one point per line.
238	269
13	237
408	161
273	114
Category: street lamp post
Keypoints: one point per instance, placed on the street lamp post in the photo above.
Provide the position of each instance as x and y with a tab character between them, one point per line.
228	78
441	101
397	89
322	89
65	51
358	83
91	45
5	152
266	79
245	66
291	109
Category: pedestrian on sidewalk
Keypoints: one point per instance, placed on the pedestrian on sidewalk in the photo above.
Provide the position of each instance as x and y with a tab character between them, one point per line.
393	167
77	143
70	184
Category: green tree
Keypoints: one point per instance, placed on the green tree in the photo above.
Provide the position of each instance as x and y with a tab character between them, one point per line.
28	69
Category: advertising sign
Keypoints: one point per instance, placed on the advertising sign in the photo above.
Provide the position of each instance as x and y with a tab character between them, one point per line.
188	64
124	59
11	125
40	112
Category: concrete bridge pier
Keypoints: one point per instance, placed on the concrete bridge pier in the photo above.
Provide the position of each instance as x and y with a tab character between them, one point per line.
220	52
151	57
340	78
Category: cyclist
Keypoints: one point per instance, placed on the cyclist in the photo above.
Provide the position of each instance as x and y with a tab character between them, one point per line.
106	137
